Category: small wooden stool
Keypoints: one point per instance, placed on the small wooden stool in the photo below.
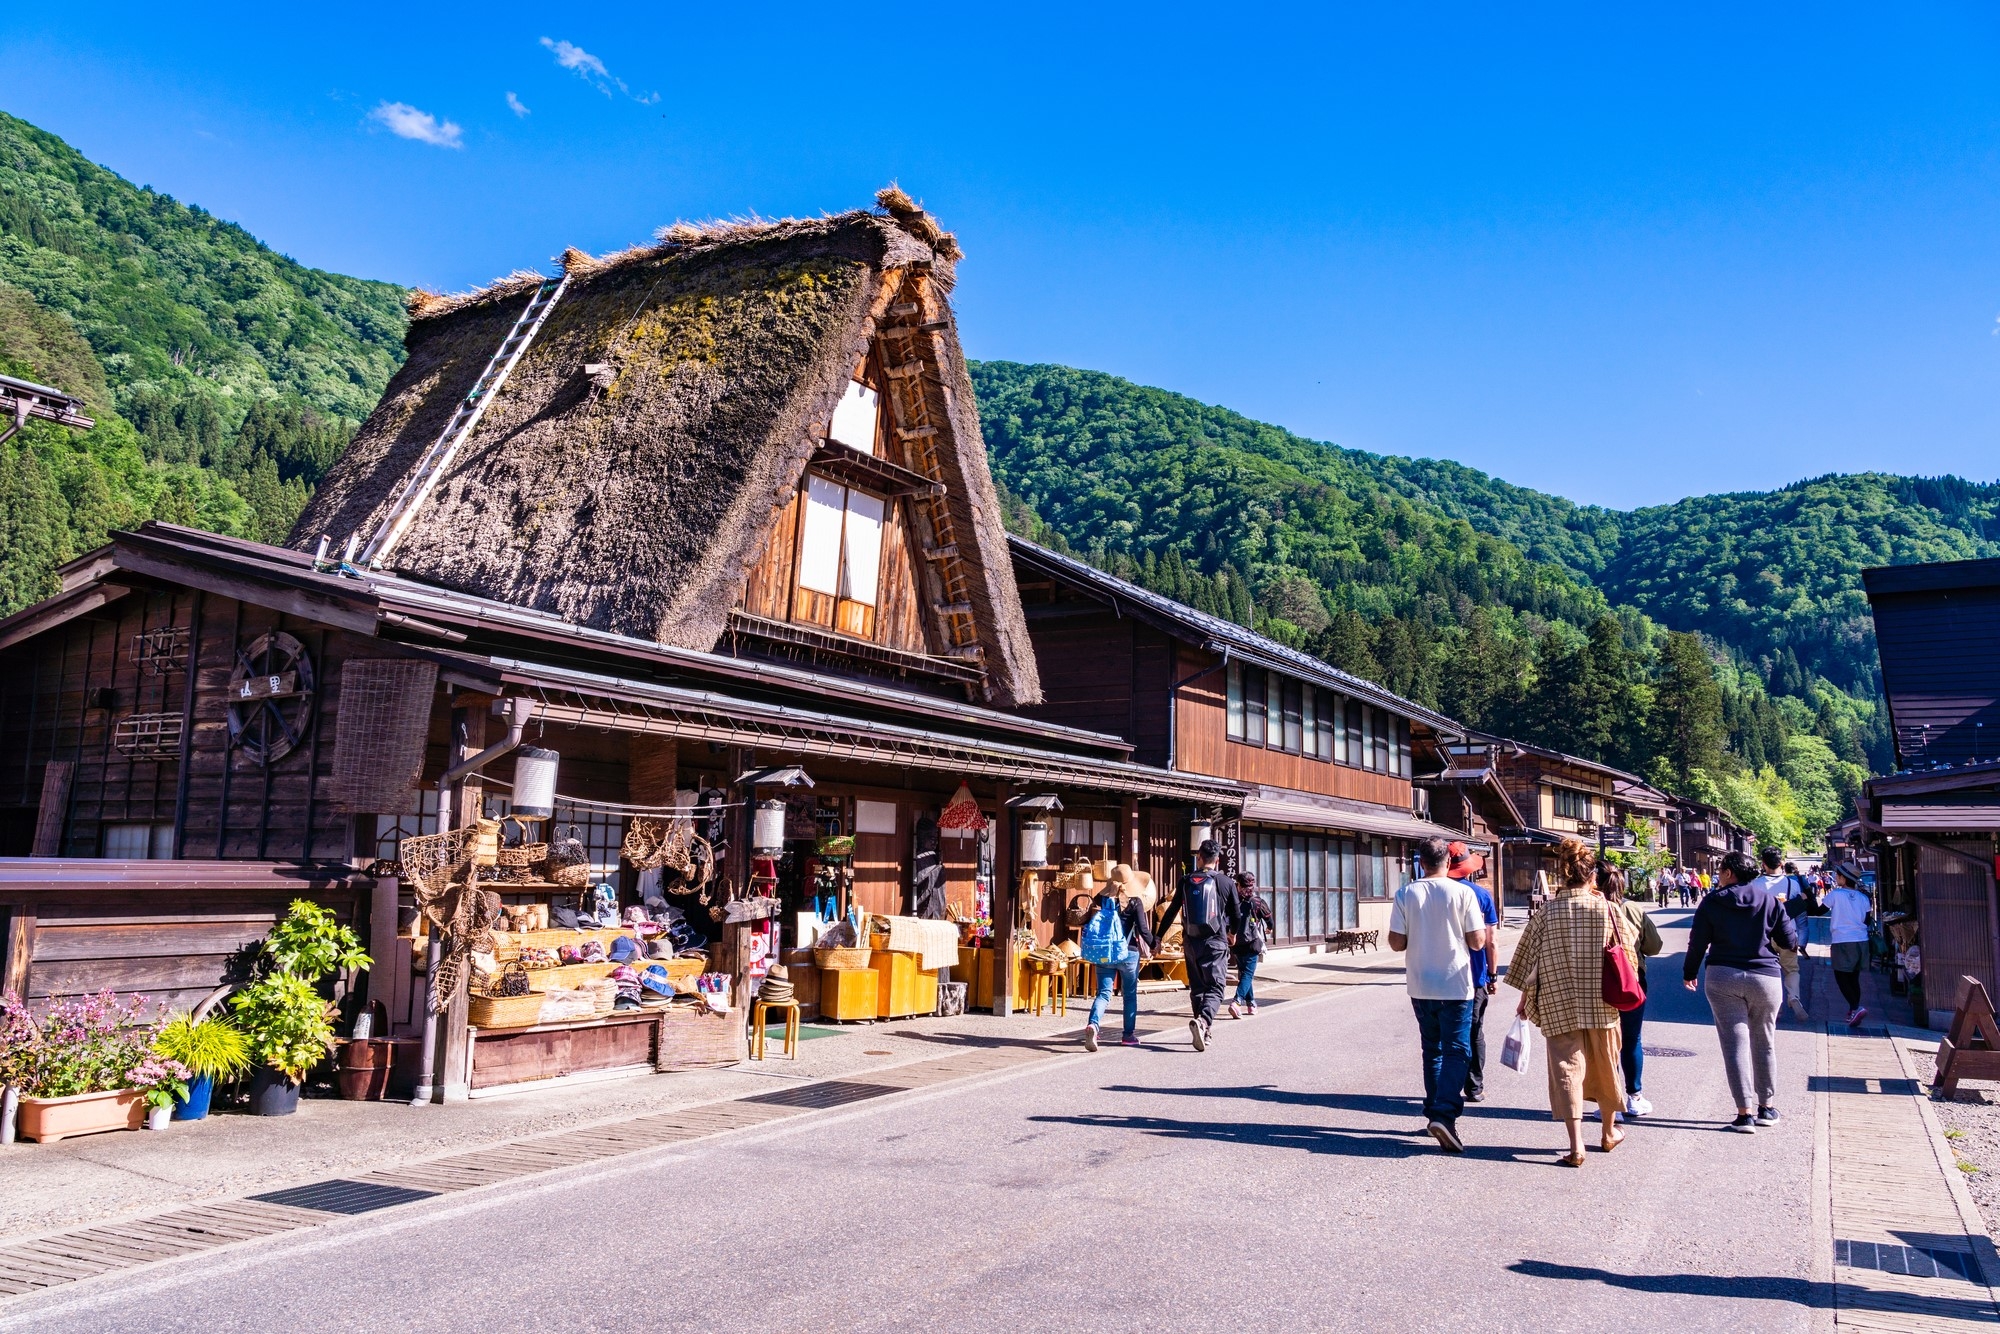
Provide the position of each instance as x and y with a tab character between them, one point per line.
760	1017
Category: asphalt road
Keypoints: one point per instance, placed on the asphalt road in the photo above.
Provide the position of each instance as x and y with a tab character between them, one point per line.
1283	1176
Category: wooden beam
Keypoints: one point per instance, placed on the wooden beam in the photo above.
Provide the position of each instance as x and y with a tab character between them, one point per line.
905	371
20	952
943	553
293	602
952	608
54	810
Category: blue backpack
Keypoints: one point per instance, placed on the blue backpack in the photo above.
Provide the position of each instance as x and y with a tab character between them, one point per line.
1103	941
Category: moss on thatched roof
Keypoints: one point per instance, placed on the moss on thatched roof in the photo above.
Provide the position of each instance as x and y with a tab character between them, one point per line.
637	499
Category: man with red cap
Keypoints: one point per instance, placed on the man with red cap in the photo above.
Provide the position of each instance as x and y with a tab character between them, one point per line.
1466	866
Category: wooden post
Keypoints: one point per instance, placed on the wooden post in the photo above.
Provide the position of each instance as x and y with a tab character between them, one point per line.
20	952
454	1057
1005	851
54	811
1130	816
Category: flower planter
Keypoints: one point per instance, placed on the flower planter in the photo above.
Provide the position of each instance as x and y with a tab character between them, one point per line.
271	1094
195	1106
159	1118
46	1120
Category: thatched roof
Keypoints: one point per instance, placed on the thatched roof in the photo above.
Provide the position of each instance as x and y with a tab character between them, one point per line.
636	501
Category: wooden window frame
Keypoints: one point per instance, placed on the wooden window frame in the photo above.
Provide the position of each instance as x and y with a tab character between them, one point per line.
1233	702
832	611
1293	694
1253	709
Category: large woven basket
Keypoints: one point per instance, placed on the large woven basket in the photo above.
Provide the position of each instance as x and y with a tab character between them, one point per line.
432	861
504	1011
841	958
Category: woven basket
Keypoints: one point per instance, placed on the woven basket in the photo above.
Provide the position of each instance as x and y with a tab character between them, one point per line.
568	861
528	854
504	1011
841	958
432	861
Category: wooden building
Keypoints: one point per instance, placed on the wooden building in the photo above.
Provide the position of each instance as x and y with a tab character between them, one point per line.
686	515
1935	824
1558	796
1329	761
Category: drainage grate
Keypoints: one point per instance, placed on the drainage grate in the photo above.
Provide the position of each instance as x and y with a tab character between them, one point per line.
1666	1051
1919	1261
831	1093
345	1197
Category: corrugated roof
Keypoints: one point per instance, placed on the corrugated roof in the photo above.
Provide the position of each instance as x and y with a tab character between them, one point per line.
1214	630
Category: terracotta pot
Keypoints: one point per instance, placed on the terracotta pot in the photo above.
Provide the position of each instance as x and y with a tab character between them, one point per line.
46	1120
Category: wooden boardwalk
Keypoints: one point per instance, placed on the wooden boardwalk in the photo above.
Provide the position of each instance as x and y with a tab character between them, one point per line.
1909	1251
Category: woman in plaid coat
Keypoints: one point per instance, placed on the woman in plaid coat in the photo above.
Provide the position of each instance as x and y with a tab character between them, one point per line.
1558	969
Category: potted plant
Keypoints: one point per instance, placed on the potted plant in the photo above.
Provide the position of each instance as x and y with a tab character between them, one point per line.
287	1022
71	1067
211	1049
160	1084
289	1026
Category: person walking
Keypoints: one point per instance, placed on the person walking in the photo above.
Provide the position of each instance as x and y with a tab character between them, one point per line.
1211	918
1140	944
1435	922
1738	931
1852	913
1258	925
1646	942
1779	881
1558	966
1466	866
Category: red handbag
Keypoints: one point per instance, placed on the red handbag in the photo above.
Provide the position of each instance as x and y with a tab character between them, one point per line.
1620	983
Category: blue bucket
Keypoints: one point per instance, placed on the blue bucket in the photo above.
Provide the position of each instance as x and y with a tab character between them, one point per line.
195	1106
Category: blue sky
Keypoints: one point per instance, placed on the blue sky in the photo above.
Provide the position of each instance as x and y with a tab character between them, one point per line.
1624	254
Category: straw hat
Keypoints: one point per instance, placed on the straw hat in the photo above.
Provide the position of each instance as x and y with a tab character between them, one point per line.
1131	882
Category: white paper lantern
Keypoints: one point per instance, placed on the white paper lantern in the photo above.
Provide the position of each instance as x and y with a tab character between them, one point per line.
535	782
769	833
1200	832
1034	843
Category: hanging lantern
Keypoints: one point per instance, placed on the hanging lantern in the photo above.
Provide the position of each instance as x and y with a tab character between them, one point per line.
535	782
962	812
1200	831
1034	844
768	836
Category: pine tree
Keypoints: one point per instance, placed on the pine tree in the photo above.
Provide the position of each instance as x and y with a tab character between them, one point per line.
1349	644
1685	727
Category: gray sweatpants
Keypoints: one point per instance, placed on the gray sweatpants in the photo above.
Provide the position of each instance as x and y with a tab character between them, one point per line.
1745	1006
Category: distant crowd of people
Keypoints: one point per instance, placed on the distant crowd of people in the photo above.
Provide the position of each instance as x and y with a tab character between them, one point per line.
1580	967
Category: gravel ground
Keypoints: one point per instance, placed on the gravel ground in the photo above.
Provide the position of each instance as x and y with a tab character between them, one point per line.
1972	1124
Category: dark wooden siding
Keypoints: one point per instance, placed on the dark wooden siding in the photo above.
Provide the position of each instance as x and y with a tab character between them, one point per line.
1955	921
1941	676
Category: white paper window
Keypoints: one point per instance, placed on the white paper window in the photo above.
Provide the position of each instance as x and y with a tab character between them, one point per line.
1075	831
819	548
854	419
864	547
874	817
1103	832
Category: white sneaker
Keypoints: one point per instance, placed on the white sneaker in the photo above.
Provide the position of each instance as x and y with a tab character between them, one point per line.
1638	1106
1199	1034
1090	1037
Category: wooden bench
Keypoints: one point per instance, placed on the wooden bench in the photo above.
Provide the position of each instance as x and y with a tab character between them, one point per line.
1352	942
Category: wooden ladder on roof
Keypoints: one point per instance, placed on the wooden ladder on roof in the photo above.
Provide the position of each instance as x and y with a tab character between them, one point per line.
417	487
903	367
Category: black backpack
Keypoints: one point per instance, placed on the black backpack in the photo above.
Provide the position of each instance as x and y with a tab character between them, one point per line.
1201	907
1251	939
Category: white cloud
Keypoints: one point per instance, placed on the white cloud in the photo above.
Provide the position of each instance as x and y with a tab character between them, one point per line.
592	71
514	105
406	122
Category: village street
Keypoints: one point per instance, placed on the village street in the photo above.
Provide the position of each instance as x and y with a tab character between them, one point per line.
1281	1178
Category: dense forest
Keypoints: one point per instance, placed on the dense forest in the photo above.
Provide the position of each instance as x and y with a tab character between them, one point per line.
1719	645
224	378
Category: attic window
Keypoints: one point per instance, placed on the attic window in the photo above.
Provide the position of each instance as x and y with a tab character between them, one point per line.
840	557
854	419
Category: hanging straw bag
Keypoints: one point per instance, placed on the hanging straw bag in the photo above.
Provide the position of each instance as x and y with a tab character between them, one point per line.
568	861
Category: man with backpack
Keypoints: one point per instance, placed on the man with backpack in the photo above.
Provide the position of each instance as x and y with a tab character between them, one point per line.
1436	921
1211	916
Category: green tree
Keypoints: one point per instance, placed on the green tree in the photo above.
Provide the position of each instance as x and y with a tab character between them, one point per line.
1685	726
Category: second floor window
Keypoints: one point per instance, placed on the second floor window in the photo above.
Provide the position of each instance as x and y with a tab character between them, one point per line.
1277	712
1571	804
840	557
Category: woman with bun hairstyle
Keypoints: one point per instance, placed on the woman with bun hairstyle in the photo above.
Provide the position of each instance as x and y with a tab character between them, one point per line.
1558	967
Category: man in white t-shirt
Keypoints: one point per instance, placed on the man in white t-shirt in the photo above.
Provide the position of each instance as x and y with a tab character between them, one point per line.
1436	921
1851	913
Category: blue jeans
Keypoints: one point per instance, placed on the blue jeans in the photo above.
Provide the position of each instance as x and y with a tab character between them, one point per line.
1247	966
1446	1029
1630	1054
1129	972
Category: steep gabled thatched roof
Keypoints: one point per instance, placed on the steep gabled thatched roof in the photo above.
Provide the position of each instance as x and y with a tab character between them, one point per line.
636	500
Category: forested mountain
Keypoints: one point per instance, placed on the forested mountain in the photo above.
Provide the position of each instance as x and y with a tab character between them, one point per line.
1719	644
1508	608
224	377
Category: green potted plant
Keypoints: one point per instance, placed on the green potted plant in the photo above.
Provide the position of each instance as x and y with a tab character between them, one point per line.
211	1049
287	1021
70	1068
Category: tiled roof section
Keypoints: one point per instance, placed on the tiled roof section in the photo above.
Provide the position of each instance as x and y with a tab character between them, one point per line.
1214	629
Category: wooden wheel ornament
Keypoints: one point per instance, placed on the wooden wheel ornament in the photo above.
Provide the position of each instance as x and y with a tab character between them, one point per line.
270	698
